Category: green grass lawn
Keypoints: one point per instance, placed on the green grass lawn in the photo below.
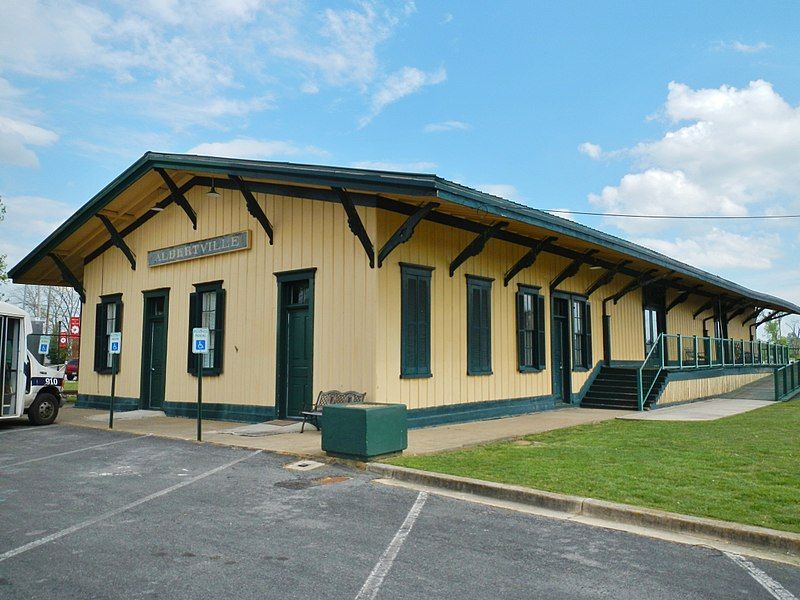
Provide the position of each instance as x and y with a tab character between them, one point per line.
744	468
70	387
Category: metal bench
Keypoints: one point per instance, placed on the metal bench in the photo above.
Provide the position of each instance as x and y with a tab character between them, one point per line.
330	397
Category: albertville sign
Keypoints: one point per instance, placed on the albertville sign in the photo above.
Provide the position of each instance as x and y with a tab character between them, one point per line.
230	242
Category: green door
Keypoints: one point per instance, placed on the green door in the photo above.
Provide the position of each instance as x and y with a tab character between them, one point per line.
154	351
296	353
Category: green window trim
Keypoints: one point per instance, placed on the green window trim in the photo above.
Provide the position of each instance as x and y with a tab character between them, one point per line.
581	329
415	321
479	325
531	345
207	309
108	318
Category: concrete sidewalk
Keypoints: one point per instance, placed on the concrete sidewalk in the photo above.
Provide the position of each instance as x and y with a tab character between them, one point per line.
705	410
307	444
746	398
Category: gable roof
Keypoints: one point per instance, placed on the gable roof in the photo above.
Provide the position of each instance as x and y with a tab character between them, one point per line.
135	191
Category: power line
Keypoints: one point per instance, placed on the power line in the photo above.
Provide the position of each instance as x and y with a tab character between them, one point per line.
629	216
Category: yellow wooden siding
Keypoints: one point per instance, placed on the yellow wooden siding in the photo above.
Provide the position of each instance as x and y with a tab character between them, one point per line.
435	246
680	319
692	389
307	234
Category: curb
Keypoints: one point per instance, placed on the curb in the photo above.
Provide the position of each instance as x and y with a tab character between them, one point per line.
745	535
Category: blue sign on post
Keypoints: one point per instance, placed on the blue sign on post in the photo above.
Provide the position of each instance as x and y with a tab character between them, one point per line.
44	344
200	340
115	343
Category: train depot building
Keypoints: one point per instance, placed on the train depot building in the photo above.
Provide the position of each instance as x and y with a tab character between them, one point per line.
408	287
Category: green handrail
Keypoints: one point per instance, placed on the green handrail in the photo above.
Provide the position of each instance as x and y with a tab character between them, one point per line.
716	352
655	356
787	381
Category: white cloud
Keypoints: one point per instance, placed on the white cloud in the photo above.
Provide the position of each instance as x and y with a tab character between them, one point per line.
591	150
447	18
728	151
447	126
503	190
255	149
404	167
657	192
15	138
738	46
31	219
719	249
340	46
400	84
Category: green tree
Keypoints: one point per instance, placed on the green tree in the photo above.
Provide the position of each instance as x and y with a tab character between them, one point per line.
773	331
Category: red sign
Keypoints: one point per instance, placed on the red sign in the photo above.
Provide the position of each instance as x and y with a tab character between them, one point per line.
62	340
74	326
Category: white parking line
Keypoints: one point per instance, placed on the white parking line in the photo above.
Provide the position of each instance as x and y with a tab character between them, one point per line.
767	582
33	460
19	429
373	583
113	513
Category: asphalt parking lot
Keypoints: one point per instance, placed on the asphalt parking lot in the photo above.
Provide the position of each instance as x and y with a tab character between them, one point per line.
91	513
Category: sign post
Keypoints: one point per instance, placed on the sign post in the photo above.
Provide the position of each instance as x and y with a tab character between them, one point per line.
200	337
114	348
44	345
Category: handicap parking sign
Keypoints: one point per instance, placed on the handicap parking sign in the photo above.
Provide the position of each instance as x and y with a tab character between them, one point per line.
200	340
115	343
44	344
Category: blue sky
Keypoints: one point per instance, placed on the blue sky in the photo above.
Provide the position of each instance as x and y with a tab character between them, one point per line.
672	108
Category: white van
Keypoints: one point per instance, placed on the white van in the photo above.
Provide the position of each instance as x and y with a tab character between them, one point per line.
26	386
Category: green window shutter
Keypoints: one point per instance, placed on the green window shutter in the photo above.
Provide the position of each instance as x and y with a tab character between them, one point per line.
415	319
587	327
521	331
486	330
99	336
220	332
424	325
479	326
194	318
540	339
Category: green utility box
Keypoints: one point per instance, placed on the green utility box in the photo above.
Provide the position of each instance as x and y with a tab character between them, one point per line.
364	431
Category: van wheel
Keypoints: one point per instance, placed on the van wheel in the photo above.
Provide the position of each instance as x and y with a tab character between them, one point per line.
43	410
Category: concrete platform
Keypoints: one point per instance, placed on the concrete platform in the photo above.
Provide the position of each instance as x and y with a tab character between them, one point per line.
308	444
746	398
705	410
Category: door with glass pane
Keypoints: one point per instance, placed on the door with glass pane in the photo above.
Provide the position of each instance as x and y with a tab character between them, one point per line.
10	329
652	328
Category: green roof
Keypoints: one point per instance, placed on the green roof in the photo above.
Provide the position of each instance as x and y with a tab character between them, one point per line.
388	182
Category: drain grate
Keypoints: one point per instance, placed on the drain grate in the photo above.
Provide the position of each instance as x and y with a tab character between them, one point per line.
304	465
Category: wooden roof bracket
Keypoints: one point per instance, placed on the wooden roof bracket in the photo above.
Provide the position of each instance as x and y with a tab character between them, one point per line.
253	207
117	240
178	197
752	315
572	269
681	298
606	278
641	281
477	245
778	314
405	231
528	258
708	305
68	276
356	225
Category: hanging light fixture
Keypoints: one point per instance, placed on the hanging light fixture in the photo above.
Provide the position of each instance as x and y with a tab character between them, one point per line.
212	193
